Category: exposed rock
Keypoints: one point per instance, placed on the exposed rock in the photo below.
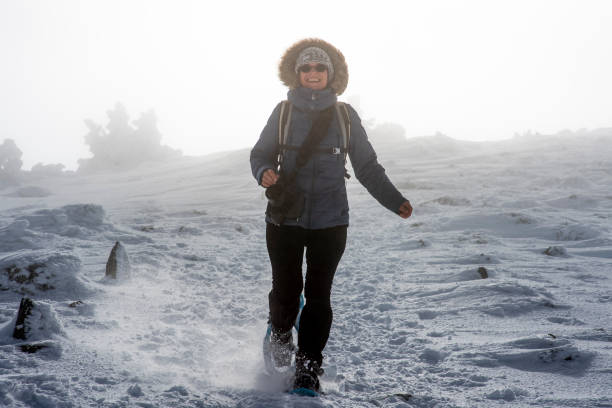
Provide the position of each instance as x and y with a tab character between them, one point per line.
37	324
484	274
25	310
135	391
32	348
118	264
555	251
76	303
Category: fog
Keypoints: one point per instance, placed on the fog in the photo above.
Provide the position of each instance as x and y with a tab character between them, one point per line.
473	70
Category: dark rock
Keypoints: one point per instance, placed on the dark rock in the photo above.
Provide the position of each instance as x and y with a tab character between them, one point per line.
25	308
405	397
555	251
118	264
484	274
135	391
32	348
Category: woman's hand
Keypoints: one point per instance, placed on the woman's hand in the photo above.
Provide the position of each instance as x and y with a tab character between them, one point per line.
269	178
405	210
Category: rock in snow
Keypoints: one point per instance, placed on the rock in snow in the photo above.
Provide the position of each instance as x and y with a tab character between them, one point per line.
25	309
118	264
35	326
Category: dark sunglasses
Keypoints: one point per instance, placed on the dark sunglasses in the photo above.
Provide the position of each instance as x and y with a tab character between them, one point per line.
307	68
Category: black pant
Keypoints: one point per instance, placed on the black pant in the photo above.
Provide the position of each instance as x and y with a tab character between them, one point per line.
324	248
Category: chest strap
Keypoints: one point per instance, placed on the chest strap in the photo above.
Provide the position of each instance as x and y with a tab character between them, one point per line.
284	127
329	150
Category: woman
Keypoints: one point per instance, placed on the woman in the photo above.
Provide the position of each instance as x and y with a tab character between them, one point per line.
315	72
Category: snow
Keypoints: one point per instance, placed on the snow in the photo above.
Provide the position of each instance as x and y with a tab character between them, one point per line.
417	321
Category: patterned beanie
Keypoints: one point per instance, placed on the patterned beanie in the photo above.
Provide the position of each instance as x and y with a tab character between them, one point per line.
314	55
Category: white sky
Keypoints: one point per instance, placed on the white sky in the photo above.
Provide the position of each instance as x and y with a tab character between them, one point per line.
477	70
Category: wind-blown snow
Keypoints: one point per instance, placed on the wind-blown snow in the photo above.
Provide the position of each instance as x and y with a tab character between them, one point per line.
497	292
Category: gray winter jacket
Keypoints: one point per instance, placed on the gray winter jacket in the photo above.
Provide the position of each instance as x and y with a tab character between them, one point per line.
322	178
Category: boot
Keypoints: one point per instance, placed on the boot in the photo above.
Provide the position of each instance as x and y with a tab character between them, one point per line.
307	372
281	347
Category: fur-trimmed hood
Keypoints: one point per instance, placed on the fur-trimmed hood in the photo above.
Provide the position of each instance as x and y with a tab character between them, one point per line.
286	67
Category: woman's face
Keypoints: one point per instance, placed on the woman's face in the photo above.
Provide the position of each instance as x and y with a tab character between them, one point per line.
313	76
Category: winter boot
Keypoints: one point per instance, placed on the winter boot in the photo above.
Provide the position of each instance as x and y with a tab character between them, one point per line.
281	347
307	372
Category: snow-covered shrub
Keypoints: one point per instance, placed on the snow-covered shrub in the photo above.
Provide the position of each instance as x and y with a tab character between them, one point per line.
42	273
120	145
10	163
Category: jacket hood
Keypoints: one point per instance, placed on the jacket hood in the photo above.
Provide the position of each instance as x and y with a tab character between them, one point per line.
286	67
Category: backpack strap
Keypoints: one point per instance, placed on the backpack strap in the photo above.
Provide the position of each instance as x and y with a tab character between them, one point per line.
345	128
284	124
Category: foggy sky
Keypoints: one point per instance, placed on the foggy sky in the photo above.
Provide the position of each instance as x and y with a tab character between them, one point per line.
477	70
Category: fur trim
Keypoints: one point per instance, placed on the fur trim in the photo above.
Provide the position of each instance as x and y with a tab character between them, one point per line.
286	67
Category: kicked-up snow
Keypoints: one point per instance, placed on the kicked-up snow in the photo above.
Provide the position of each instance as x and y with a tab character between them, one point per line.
497	292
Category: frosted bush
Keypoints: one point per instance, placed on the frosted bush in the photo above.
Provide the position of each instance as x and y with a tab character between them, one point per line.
10	162
120	145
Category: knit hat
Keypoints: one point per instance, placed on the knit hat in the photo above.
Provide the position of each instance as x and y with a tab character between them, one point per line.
314	55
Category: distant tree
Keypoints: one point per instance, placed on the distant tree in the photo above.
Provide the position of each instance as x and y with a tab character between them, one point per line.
121	145
10	163
146	136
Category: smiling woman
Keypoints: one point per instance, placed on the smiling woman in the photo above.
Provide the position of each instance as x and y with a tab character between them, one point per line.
299	160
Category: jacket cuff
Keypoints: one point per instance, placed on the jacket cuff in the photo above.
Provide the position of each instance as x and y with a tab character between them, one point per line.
398	203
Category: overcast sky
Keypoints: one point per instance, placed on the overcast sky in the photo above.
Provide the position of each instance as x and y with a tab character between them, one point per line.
477	70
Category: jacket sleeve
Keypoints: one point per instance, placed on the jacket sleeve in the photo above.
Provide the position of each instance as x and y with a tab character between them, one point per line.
263	154
367	169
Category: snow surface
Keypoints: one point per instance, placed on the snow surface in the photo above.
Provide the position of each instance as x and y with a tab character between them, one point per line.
415	323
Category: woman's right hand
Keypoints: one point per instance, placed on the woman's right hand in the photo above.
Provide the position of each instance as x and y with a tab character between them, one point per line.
269	178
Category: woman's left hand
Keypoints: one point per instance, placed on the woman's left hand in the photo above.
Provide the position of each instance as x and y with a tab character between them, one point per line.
405	210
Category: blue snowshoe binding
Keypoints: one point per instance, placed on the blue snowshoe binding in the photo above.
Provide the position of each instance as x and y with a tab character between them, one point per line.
307	372
278	347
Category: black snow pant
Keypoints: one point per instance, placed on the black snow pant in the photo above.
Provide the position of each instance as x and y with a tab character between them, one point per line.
324	248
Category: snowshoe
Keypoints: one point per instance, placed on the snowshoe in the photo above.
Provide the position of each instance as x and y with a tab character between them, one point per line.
307	372
281	348
278	351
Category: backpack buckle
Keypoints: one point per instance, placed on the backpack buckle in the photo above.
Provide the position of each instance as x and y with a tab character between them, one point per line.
336	150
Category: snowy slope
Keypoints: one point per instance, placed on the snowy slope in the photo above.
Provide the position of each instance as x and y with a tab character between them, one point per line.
415	324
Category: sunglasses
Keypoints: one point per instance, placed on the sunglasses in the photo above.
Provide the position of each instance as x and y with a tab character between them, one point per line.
307	68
